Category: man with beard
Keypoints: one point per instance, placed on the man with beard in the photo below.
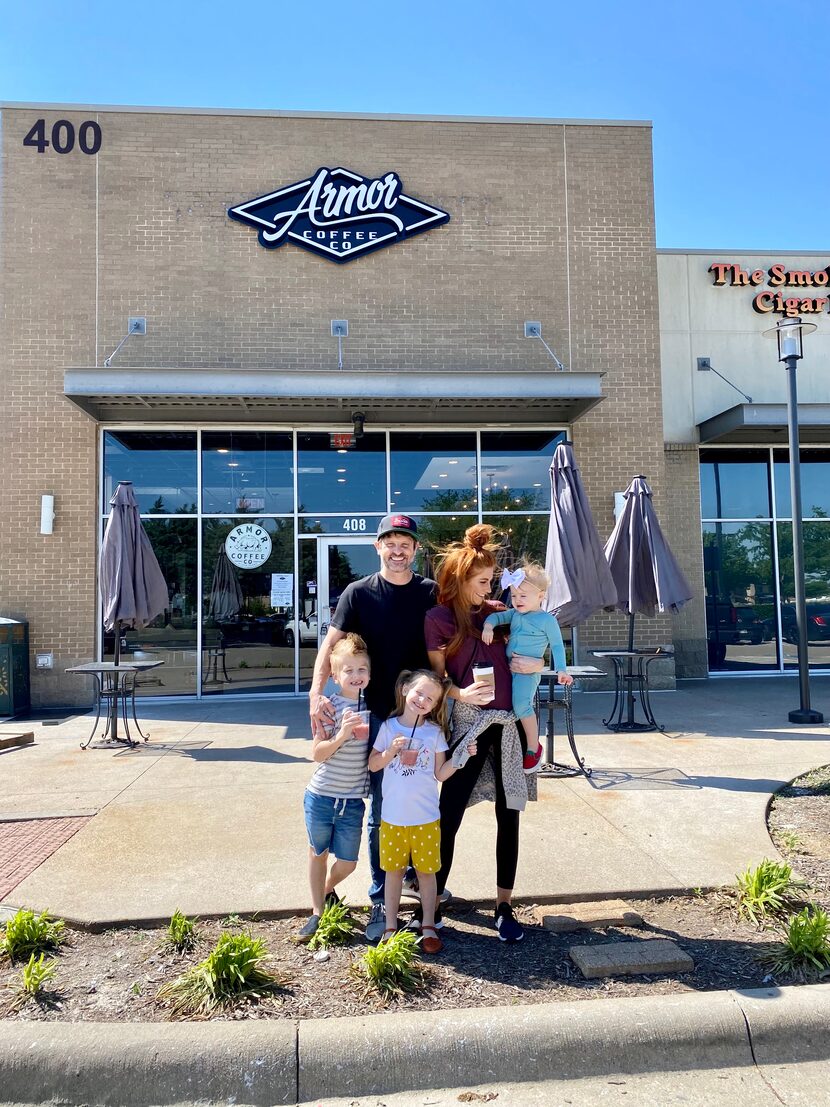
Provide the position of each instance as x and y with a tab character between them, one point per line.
387	610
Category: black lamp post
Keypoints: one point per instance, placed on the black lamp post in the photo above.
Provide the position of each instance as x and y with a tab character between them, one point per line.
789	333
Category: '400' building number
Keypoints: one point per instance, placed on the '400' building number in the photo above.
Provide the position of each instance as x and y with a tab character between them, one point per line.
62	137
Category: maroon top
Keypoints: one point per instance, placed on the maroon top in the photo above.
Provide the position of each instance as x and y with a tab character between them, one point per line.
439	627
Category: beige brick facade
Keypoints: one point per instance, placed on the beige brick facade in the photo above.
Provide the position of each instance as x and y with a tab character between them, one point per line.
549	222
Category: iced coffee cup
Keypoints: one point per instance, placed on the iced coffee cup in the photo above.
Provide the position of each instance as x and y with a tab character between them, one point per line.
484	673
409	757
361	729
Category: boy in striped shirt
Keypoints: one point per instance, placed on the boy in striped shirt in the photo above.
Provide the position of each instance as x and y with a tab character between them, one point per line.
334	800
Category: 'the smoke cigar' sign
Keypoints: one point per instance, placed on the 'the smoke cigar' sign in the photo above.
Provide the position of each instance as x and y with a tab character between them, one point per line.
338	214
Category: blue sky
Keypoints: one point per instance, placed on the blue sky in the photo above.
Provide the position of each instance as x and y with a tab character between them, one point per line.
723	84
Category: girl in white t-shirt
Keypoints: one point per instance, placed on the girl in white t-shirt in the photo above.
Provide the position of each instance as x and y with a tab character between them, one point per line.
411	748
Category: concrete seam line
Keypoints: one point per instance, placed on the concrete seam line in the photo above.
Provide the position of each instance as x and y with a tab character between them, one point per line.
758	1068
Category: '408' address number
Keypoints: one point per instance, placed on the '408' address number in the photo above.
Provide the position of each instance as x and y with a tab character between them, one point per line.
63	137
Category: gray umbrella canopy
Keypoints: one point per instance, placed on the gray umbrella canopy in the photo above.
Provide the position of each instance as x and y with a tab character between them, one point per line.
133	589
225	591
581	582
645	571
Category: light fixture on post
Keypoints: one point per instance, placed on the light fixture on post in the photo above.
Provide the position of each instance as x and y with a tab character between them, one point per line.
789	333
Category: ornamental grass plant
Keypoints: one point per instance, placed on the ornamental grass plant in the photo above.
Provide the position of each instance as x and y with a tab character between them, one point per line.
767	890
336	927
392	967
182	933
804	951
27	933
231	973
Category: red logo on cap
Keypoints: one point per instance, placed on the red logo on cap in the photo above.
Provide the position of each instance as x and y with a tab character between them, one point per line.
401	521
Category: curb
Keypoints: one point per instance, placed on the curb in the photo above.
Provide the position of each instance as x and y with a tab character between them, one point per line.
266	1063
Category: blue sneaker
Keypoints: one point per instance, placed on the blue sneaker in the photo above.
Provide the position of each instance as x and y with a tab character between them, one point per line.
507	924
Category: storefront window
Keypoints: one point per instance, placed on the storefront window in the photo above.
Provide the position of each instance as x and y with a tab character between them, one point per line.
740	596
816	589
247	473
161	465
333	478
171	637
523	536
247	609
515	469
433	472
734	485
815	484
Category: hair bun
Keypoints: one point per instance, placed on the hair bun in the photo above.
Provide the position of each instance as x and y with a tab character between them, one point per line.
479	537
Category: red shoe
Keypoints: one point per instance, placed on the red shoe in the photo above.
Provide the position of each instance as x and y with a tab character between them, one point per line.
530	762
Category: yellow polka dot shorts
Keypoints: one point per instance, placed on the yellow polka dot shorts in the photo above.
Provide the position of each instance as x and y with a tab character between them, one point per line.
399	843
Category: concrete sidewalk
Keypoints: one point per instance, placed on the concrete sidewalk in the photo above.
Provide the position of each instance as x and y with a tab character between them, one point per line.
207	816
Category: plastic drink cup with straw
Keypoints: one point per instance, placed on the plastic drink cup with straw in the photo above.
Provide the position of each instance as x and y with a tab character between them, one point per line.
361	729
409	756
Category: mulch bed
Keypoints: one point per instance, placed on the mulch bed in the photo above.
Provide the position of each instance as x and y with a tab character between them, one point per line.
115	975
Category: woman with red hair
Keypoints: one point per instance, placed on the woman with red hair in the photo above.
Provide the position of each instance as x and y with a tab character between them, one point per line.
481	712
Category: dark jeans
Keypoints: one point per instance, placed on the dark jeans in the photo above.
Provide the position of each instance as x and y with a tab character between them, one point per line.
455	793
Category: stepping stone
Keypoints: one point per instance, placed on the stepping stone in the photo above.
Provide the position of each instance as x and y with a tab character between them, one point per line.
562	918
655	955
9	740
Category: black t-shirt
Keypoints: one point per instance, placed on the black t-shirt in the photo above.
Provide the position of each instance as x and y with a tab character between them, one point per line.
390	620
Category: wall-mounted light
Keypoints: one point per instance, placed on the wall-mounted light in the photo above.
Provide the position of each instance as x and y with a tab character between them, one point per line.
358	421
47	513
534	330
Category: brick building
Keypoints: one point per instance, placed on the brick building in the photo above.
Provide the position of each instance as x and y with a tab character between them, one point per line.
242	407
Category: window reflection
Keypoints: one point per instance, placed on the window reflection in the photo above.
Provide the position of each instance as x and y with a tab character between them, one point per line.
433	472
741	623
247	612
247	472
171	637
515	469
816	589
161	465
734	485
332	478
815	484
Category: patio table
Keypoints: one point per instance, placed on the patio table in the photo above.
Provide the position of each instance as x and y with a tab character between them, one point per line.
114	684
629	679
550	702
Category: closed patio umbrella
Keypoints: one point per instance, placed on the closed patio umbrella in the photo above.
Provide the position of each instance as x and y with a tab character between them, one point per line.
646	574
133	589
581	581
226	597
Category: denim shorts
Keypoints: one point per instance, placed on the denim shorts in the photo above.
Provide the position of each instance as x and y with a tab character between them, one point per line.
334	824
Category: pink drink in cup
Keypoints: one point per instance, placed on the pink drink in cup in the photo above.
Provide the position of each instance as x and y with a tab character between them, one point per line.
409	757
361	729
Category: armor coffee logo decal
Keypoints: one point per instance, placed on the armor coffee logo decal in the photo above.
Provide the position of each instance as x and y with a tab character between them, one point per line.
338	214
248	546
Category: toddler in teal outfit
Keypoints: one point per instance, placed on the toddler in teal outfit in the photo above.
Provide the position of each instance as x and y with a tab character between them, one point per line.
532	630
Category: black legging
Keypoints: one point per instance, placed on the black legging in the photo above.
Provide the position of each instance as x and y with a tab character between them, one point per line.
455	793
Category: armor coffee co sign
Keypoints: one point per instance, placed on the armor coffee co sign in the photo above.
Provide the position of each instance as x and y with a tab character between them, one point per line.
248	546
338	214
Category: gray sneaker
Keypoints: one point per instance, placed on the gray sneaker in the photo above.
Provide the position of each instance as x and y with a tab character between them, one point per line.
309	930
376	924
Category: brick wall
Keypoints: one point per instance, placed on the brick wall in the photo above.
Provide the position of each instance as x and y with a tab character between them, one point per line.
549	222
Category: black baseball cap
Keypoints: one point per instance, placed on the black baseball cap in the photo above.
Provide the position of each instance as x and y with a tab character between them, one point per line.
398	524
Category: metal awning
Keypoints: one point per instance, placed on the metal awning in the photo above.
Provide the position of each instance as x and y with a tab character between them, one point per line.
766	423
399	396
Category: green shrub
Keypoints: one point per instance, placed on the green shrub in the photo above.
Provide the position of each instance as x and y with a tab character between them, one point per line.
766	890
35	974
392	967
231	972
335	928
805	949
28	933
181	933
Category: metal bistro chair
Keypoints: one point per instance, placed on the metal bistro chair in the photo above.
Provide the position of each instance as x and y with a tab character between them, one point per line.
548	701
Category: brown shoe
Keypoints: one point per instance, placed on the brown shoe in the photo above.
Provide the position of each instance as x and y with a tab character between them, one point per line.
430	942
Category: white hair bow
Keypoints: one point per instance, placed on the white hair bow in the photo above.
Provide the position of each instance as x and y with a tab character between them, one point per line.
512	580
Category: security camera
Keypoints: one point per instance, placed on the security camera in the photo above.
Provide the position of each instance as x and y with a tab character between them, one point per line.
358	419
